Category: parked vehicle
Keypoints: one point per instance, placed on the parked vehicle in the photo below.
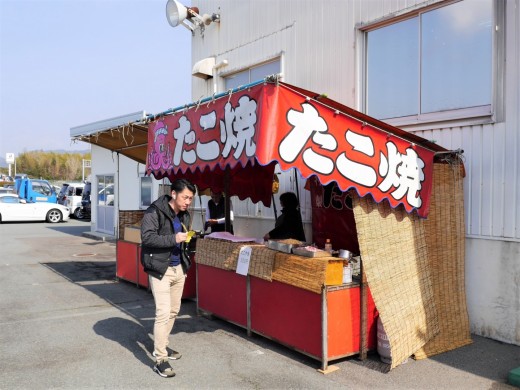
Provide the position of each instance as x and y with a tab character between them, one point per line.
6	178
21	176
85	200
14	208
34	190
5	190
71	195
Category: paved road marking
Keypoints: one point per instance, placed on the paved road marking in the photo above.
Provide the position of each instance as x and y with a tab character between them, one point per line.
121	309
60	317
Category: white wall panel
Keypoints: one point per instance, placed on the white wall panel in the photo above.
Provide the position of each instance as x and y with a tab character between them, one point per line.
128	187
486	184
512	104
474	167
318	39
499	202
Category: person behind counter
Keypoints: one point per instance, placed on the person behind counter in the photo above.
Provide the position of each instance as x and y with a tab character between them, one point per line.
216	213
289	224
165	259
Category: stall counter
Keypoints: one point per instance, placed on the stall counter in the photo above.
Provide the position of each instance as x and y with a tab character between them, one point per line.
129	268
323	326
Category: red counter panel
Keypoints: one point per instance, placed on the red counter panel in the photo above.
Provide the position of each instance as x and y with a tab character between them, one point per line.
190	287
343	321
126	267
129	268
223	293
287	314
293	316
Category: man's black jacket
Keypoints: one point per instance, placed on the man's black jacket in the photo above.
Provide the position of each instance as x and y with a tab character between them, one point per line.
158	239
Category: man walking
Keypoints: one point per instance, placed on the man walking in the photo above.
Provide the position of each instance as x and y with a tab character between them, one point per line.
165	258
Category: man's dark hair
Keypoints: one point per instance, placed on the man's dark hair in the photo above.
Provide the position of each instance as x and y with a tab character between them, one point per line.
289	200
180	185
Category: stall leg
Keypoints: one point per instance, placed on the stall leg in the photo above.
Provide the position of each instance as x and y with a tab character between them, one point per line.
137	261
197	287
325	368
363	301
248	304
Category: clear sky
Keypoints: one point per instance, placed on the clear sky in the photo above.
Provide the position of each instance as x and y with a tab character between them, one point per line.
65	63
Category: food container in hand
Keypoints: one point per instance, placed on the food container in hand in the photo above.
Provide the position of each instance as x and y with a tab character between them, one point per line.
191	233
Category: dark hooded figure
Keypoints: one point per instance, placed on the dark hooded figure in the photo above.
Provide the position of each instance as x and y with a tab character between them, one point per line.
289	224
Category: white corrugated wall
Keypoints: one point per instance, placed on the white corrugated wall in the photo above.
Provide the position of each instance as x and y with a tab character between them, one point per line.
318	44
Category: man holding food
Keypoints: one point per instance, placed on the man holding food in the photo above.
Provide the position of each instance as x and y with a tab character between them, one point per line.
165	257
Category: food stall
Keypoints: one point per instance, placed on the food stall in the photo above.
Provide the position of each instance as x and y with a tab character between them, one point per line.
231	142
389	195
298	301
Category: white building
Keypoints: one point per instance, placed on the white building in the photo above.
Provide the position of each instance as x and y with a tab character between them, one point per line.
120	181
446	70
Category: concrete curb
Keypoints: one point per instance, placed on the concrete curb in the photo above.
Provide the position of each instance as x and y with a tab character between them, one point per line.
99	236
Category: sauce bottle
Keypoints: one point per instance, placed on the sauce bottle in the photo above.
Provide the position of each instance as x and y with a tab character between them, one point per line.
328	246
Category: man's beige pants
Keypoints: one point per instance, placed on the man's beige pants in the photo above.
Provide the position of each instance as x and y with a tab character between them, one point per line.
167	294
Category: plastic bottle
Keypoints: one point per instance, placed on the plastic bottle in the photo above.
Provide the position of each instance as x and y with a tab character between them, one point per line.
328	246
347	272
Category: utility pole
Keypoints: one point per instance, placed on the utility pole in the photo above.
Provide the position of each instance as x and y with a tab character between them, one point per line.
10	159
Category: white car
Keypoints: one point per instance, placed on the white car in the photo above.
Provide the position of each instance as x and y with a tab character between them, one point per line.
12	208
70	196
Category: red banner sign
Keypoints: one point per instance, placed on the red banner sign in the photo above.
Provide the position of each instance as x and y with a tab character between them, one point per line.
271	122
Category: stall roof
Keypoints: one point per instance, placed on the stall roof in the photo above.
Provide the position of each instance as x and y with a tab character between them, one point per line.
234	140
128	134
123	134
172	144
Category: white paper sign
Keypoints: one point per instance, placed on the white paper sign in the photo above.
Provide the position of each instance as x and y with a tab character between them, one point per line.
243	260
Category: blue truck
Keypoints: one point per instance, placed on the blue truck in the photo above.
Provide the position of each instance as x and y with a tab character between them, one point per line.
35	190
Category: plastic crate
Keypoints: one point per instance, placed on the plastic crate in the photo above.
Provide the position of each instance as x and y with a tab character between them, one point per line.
514	377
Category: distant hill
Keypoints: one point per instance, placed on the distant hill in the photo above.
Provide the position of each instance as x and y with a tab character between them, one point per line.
3	163
62	151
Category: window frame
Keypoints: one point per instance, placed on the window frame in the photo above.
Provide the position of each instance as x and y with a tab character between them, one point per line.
491	113
227	75
142	206
41	187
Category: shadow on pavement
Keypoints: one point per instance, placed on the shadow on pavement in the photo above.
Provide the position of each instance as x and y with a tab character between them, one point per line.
72	230
83	271
135	334
484	357
129	334
98	277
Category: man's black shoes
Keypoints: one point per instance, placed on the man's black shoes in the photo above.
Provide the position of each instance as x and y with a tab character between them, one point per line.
164	369
172	355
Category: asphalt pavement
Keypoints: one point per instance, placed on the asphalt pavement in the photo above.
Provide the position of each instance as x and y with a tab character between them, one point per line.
67	323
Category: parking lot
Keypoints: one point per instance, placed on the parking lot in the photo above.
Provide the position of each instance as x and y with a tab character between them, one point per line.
66	322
